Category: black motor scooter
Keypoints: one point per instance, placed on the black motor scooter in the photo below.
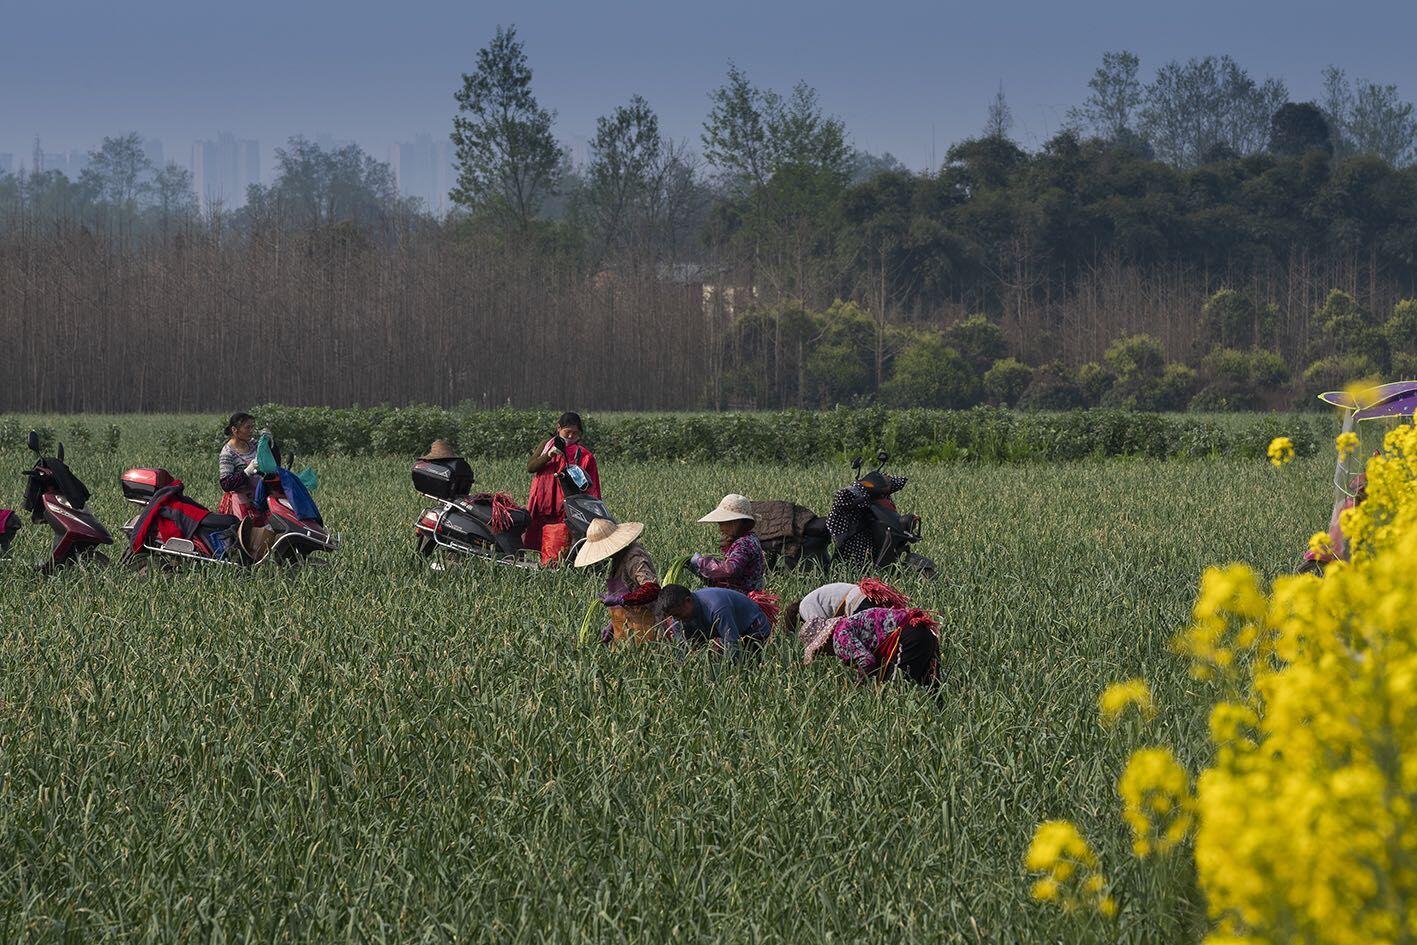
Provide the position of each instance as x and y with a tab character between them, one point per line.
55	496
866	506
476	526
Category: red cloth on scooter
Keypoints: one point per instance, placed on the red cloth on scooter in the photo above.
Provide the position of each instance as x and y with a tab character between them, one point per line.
555	539
185	516
546	503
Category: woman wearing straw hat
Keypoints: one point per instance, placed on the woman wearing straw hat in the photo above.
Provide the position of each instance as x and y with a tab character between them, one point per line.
742	565
633	584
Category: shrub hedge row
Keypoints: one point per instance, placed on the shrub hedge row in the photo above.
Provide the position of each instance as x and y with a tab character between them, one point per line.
788	437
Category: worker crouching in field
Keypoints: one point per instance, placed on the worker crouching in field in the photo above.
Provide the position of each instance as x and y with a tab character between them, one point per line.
742	564
632	584
727	621
881	641
807	617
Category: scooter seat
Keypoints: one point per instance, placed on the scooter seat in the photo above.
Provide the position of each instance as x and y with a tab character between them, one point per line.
214	521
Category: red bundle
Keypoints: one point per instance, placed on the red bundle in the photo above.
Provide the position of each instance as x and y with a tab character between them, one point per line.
502	507
642	596
919	618
769	604
881	594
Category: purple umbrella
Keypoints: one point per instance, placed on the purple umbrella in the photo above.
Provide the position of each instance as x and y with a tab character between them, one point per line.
1398	399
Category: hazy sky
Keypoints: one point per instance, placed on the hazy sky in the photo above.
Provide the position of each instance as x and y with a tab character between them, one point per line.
380	72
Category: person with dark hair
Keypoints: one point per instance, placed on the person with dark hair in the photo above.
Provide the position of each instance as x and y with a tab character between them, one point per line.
546	502
726	620
881	641
741	564
236	466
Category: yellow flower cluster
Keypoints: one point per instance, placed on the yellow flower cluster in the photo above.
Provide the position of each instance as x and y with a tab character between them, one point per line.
1072	876
1307	819
1156	800
1346	444
1117	698
1225	620
1281	450
1321	543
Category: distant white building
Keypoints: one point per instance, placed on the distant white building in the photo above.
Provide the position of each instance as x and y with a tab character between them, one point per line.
224	168
423	168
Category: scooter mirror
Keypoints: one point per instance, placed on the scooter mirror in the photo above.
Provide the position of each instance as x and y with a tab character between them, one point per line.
33	441
856	462
882	456
60	455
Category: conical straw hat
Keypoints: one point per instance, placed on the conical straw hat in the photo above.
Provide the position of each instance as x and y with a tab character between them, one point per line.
733	508
604	538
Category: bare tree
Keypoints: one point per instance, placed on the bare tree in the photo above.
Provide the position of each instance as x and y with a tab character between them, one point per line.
1001	117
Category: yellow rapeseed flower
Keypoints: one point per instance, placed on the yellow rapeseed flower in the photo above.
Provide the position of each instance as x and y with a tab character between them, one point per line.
1156	799
1320	543
1346	444
1280	451
1118	697
1072	877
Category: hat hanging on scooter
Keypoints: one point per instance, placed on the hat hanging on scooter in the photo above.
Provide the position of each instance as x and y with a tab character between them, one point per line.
733	508
441	449
604	539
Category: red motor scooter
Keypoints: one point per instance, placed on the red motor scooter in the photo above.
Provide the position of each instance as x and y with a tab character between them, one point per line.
54	495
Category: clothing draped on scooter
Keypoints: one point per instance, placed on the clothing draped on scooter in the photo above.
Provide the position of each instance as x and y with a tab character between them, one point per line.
849	520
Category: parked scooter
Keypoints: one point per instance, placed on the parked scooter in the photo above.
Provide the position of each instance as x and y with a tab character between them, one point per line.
490	525
866	510
54	495
173	527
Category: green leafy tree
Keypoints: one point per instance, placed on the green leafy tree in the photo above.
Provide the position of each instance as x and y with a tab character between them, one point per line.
1135	358
319	187
1110	111
1296	128
626	159
929	373
978	340
1401	328
1229	319
1202	109
1006	380
1094	381
508	162
119	172
1368	118
1052	388
1348	329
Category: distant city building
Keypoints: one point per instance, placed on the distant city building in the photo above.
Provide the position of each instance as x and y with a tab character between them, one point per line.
224	168
423	168
70	163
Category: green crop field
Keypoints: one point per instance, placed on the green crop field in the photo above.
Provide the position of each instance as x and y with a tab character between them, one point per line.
373	752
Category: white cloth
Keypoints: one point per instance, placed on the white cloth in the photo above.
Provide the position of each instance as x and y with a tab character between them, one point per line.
830	600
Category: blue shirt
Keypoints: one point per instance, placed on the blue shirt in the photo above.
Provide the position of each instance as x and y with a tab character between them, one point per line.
726	615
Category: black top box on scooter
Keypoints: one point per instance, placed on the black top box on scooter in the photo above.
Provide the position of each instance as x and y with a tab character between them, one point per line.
442	478
140	484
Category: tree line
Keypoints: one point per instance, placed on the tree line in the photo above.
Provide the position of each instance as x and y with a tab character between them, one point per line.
768	264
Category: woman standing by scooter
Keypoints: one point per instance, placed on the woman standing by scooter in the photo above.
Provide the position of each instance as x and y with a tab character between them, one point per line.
546	503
